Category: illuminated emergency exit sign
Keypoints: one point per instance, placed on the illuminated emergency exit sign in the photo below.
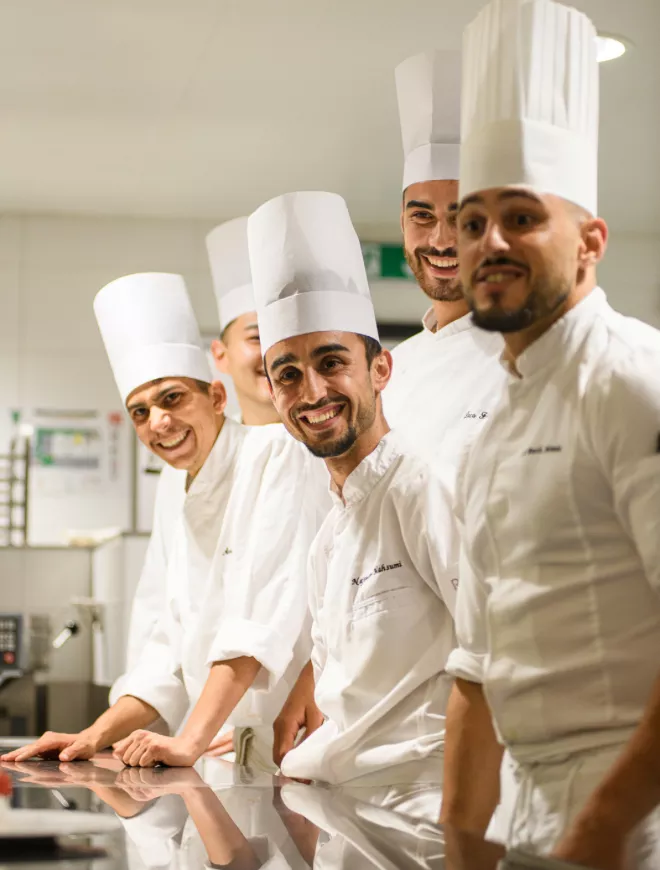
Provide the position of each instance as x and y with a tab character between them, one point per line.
385	261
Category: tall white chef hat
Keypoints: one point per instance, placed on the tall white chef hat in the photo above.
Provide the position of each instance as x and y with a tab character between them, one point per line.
149	330
429	92
230	269
307	268
530	101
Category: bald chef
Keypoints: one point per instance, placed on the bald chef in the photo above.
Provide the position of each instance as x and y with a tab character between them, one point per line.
559	611
238	355
446	378
237	352
228	645
382	571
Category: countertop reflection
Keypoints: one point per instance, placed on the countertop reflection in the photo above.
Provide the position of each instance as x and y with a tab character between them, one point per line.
221	815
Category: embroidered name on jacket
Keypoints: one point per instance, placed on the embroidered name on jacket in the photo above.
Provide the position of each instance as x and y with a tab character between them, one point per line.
379	569
549	448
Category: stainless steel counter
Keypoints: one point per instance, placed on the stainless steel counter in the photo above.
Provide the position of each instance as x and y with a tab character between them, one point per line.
222	816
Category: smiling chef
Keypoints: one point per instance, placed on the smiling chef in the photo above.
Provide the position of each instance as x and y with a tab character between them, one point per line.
558	613
446	378
228	645
382	570
237	352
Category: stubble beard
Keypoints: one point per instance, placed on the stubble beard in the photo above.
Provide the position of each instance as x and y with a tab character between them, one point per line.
345	443
437	289
545	297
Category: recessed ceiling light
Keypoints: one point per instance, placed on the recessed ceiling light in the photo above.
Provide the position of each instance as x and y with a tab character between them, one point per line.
610	47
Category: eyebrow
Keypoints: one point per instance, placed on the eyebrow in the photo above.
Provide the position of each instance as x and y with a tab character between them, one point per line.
513	193
250	326
158	398
418	203
287	358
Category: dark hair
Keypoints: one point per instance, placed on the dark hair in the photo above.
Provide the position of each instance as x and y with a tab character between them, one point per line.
372	348
203	386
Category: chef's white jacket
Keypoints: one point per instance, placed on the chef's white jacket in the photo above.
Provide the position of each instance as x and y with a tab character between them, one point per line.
150	600
382	577
235	581
444	385
558	614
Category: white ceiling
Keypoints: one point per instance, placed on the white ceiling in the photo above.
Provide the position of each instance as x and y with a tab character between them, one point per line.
205	108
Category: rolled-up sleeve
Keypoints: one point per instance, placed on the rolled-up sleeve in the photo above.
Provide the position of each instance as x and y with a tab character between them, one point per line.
265	603
468	660
156	678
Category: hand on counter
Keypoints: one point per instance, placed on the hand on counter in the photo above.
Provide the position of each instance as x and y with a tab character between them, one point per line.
66	747
147	749
299	714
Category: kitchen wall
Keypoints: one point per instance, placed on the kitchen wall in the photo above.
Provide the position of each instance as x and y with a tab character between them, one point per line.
51	354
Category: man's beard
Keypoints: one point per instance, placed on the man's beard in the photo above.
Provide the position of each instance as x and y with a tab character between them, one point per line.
335	448
545	297
346	442
438	289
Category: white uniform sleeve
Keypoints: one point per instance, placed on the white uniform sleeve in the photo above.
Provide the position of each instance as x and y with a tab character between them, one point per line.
467	661
156	678
265	608
431	536
319	649
623	425
150	599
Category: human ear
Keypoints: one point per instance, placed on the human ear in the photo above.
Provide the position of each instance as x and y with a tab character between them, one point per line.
381	370
219	352
218	397
593	235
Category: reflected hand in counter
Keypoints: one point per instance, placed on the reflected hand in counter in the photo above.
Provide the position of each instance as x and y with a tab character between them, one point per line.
146	783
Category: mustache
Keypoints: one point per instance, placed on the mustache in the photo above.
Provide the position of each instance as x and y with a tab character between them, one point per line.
448	253
323	403
501	260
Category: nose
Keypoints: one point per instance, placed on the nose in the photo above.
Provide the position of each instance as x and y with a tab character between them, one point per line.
493	240
443	234
159	419
313	387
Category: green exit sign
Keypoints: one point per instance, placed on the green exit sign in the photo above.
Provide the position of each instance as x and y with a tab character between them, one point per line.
385	261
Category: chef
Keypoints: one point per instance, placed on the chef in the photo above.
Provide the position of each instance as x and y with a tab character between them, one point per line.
382	571
238	355
446	378
237	352
558	616
229	644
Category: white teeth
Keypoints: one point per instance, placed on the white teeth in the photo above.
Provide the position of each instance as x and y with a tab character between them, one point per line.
443	262
174	442
321	418
496	278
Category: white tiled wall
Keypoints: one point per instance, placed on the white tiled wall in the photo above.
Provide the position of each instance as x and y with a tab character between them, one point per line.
50	268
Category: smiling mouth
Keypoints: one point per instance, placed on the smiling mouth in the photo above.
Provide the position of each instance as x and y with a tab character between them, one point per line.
320	417
174	442
442	265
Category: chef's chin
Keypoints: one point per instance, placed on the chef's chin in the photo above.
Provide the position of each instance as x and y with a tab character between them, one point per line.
497	320
334	448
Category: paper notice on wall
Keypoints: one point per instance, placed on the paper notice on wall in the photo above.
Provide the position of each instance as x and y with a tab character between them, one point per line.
74	453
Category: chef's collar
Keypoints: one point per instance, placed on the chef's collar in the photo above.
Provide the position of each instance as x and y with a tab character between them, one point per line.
559	342
364	478
430	324
219	460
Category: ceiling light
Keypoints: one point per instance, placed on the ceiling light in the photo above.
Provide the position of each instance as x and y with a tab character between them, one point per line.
610	47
